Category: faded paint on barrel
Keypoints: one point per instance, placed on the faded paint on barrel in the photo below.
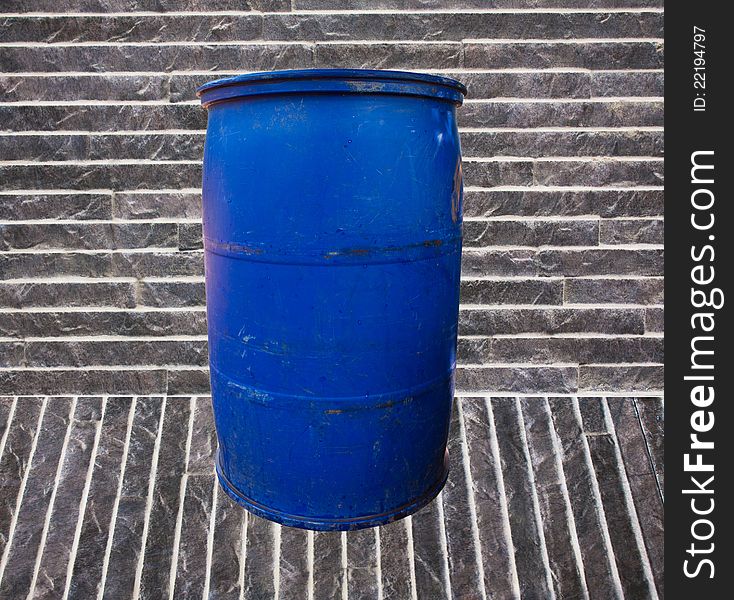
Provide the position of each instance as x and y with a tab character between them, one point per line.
332	225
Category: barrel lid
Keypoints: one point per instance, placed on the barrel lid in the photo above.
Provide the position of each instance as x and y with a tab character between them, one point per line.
333	80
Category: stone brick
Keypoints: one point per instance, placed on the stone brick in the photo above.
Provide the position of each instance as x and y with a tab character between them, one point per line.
624	173
259	559
540	203
395	561
593	420
92	322
189	236
560	114
525	85
26	295
12	354
622	83
452	26
429	552
110	353
157	205
600	55
103	147
191	572
551	320
157	264
443	55
483	262
561	350
88	236
167	294
614	291
92	381
101	117
621	378
362	568
79	207
328	575
538	145
530	291
155	575
531	233
651	414
622	261
188	381
654	320
120	29
517	379
633	231
527	535
64	88
110	58
102	176
203	438
294	569
488	174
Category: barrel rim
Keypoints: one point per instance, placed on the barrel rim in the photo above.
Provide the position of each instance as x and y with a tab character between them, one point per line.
295	75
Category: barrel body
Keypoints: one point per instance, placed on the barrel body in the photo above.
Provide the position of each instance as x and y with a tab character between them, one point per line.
332	233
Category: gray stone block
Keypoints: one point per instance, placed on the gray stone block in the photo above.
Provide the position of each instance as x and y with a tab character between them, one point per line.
531	233
634	231
614	291
26	295
97	322
167	294
443	55
561	114
531	291
621	378
622	261
517	379
79	207
600	55
550	320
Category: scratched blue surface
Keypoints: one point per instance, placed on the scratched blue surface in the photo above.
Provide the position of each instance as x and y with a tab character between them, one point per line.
332	225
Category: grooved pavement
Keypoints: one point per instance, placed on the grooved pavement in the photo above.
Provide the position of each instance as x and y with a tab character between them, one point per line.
115	497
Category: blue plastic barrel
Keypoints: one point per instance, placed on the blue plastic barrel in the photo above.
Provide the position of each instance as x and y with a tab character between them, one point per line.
332	233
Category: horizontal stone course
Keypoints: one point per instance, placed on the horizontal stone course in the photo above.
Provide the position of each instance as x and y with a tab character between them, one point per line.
329	27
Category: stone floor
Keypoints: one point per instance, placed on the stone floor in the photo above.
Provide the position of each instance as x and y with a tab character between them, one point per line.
115	497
